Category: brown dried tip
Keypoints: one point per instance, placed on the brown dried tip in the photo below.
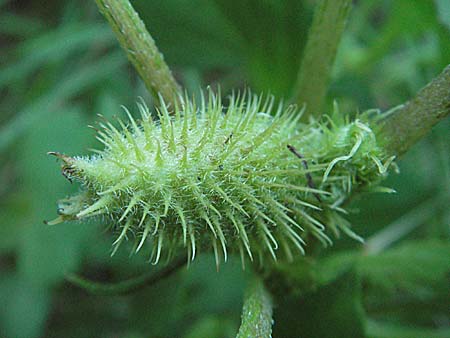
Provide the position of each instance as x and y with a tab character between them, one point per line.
65	158
66	169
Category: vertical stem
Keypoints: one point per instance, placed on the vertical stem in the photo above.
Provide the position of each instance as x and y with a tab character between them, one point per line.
140	48
256	312
406	125
325	33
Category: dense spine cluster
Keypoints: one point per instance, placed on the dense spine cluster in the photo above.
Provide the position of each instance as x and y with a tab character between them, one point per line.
246	177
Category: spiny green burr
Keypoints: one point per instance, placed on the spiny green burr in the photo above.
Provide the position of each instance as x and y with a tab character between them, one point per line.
245	177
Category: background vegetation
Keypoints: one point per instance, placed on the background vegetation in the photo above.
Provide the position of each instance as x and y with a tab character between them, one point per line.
61	65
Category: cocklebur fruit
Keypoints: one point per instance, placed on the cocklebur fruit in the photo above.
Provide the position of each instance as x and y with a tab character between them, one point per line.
235	178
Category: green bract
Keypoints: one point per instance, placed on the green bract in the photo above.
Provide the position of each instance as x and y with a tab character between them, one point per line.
226	178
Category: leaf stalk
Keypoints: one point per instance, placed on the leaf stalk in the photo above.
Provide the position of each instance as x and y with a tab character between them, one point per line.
141	49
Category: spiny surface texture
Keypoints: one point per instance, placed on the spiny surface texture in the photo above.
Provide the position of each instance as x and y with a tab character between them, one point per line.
244	178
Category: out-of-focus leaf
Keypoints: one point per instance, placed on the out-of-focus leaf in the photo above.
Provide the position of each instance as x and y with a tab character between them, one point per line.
73	11
3	2
24	308
406	224
211	327
402	308
275	33
334	311
192	80
297	278
386	330
53	46
11	221
199	36
77	81
188	296
12	24
328	269
443	33
109	105
405	17
77	314
443	11
47	252
410	49
411	266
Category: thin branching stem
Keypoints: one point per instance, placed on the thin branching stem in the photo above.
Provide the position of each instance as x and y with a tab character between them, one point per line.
129	285
407	124
256	312
324	36
140	49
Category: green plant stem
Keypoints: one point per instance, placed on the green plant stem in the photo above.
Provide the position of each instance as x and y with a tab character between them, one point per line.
129	285
404	126
140	49
328	24
256	312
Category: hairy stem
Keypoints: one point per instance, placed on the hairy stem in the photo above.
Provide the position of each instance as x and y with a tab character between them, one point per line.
129	285
404	126
328	24
140	48
256	312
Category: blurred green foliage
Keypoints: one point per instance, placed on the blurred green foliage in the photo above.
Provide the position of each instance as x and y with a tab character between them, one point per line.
60	66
